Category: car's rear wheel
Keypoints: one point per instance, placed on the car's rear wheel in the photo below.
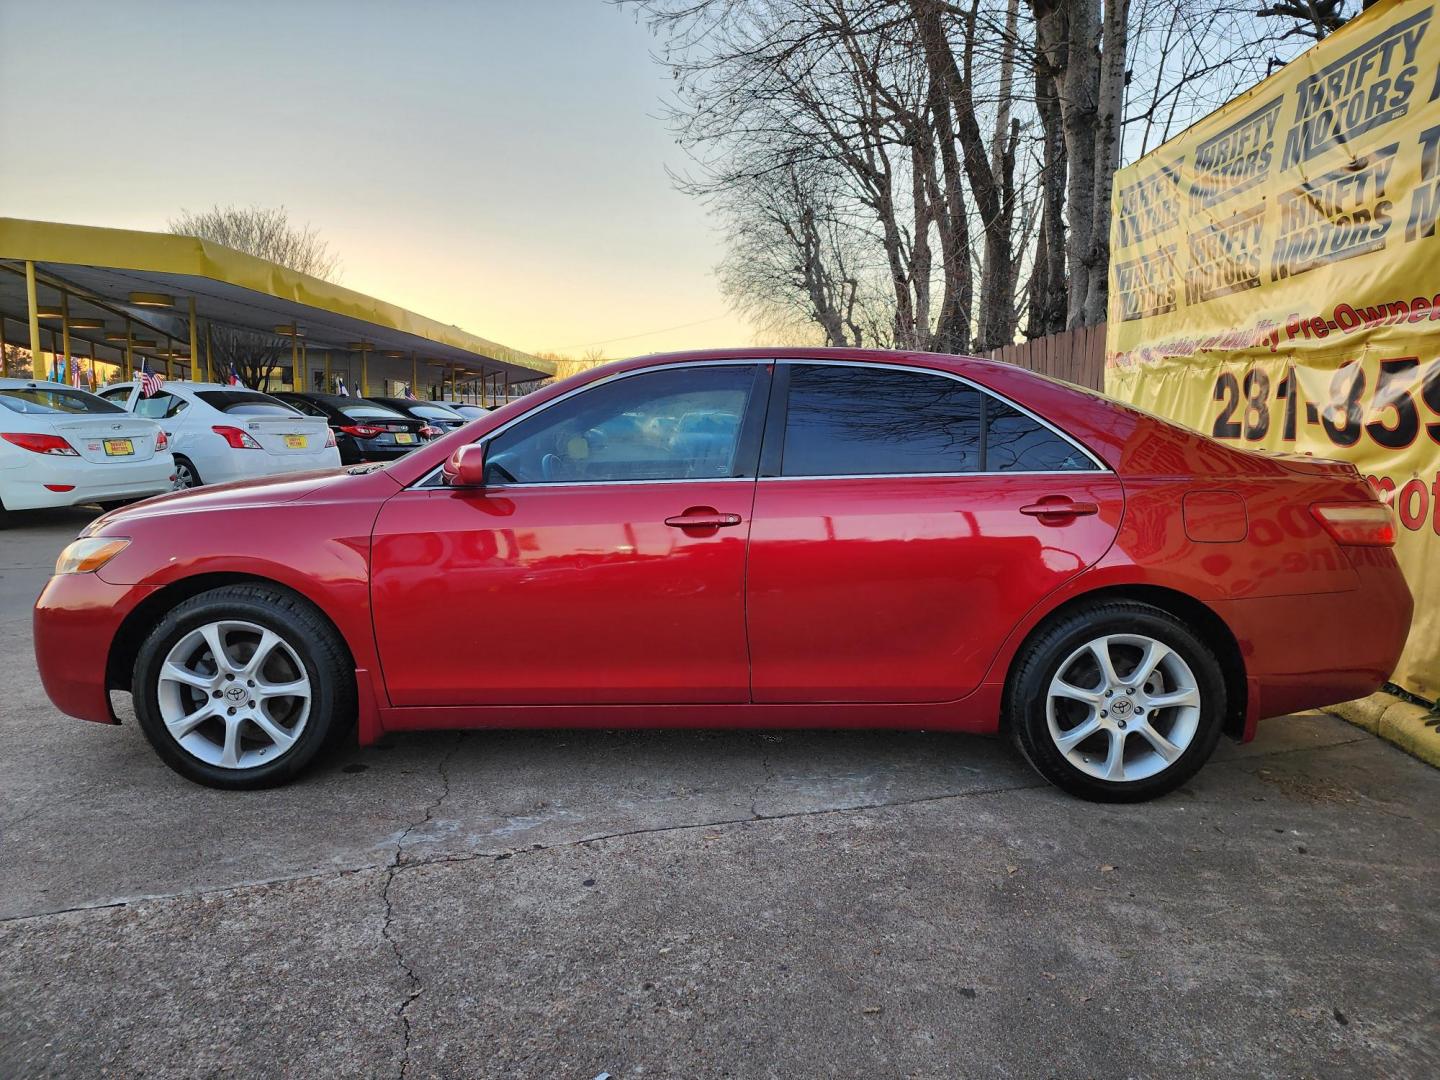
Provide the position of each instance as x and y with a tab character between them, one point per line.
186	475
241	686
1116	702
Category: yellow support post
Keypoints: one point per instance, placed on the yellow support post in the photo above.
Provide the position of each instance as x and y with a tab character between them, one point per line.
93	382
65	331
35	357
194	345
414	373
326	387
209	355
296	383
129	351
364	372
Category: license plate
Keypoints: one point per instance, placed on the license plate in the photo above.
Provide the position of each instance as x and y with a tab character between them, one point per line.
119	447
404	437
295	442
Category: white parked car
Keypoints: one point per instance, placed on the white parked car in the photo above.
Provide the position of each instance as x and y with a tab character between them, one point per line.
61	446
220	433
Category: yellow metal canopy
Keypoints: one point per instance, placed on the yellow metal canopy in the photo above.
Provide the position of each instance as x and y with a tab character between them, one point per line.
131	274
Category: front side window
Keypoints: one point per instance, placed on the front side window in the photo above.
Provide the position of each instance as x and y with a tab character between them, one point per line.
675	424
859	421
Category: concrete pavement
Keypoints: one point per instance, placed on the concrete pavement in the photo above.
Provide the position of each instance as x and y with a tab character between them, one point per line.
693	904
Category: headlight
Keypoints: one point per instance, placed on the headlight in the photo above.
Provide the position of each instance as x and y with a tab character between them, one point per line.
89	554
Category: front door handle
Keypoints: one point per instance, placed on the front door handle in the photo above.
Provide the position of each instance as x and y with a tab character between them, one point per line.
1059	508
702	517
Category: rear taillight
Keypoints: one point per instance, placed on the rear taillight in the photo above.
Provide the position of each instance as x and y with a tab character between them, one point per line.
329	438
429	431
361	431
237	439
162	442
40	444
1357	524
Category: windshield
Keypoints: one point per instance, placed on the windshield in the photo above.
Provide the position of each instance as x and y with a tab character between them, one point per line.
45	399
245	403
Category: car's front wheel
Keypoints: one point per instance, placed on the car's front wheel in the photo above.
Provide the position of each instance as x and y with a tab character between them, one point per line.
241	686
1118	701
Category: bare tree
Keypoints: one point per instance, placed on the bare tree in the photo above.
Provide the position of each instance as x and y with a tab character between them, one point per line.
267	233
967	150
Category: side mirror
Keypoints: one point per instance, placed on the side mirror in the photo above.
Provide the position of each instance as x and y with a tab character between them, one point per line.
466	467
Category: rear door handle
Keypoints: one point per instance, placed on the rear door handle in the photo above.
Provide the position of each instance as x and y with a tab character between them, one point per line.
1057	508
702	517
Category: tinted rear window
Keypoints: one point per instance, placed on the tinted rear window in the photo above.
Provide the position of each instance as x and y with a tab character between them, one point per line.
436	412
370	412
867	421
44	399
245	403
852	421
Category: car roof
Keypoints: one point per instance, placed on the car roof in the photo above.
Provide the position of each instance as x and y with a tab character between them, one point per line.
16	384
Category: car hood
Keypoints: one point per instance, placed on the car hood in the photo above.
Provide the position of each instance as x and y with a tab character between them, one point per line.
262	491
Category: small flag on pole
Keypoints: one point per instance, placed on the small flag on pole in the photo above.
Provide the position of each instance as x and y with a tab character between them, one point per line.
340	387
409	391
234	379
149	381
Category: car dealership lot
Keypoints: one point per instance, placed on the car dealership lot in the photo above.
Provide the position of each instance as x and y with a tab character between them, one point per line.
693	904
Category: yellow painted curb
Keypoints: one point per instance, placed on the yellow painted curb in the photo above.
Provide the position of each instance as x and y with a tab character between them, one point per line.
1411	727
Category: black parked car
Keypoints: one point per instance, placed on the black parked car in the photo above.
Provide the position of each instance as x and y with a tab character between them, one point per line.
431	412
364	430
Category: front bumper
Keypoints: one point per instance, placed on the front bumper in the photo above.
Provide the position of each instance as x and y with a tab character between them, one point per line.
76	619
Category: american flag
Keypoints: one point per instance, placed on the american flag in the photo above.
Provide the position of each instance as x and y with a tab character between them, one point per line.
234	379
149	381
76	375
410	392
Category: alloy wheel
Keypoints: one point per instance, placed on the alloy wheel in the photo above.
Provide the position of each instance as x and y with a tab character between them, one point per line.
184	477
234	694
1123	707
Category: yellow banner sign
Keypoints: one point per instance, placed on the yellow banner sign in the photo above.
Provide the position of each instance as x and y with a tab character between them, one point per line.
1275	278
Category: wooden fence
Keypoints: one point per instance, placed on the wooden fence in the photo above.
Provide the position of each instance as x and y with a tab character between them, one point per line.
1077	356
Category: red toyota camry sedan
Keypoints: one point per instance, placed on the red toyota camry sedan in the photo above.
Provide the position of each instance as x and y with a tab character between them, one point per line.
777	538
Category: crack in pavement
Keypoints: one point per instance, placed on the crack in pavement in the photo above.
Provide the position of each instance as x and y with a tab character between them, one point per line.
396	865
391	869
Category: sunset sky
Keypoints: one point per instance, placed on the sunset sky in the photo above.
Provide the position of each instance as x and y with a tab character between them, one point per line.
497	165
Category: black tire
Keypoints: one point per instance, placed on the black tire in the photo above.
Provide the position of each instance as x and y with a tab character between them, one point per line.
184	465
1026	717
308	635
